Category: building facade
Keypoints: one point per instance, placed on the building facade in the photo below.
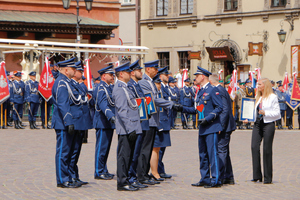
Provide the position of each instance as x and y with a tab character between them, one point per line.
247	29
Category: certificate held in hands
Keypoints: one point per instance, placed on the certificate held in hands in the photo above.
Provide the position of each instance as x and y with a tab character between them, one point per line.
150	104
247	109
142	108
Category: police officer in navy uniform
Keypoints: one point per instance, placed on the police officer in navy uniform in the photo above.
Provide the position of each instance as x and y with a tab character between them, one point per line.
104	122
194	89
32	97
208	104
63	122
175	96
147	85
135	87
228	125
127	126
186	99
250	93
282	104
17	99
80	112
289	111
55	71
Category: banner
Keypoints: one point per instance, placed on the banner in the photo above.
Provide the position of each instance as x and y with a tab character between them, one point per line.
233	84
251	77
258	76
295	90
88	75
184	76
4	85
286	82
295	59
220	74
46	81
293	104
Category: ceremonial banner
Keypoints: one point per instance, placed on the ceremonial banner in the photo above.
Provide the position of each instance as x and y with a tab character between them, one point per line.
184	76
295	59
295	90
293	104
286	82
251	77
142	108
46	81
220	74
4	86
88	75
233	85
150	104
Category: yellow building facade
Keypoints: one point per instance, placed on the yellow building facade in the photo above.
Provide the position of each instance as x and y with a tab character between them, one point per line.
172	28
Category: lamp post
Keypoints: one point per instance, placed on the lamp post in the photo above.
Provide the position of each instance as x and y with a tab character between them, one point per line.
88	5
282	34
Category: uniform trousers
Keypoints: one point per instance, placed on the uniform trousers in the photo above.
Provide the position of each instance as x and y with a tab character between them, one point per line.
224	155
174	116
32	111
161	166
194	118
103	142
261	131
43	110
137	150
143	166
73	170
64	149
125	152
184	117
7	107
209	159
19	109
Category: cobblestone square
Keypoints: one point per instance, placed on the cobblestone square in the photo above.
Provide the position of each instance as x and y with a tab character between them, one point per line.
27	169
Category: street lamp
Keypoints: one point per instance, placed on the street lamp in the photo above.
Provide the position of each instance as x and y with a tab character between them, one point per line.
282	34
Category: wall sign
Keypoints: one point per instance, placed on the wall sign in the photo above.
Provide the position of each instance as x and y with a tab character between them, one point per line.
255	49
219	53
194	55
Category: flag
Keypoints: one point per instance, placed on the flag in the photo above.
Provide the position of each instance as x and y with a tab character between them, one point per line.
184	76
46	81
286	82
220	74
251	77
117	63
88	75
295	89
258	77
233	84
4	84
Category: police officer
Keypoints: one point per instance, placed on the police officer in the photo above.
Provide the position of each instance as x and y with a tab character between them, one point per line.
208	103
228	125
55	71
104	122
175	96
289	111
279	83
249	93
97	81
32	97
186	99
82	121
63	123
134	86
147	85
127	125
17	99
194	89
239	96
282	104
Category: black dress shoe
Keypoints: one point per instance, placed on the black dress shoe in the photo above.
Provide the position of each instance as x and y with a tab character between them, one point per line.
103	177
228	181
213	186
49	127
4	127
77	180
267	182
199	184
109	174
255	180
137	184
147	182
154	181
127	188
69	185
164	175
157	179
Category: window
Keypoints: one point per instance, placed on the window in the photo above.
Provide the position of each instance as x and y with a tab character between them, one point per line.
278	3
127	1
230	4
184	62
161	7
186	7
164	59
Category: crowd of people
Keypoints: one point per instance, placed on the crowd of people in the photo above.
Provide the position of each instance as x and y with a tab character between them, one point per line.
113	105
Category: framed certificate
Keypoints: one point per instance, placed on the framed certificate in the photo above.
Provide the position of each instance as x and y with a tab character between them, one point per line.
160	96
142	108
247	109
150	103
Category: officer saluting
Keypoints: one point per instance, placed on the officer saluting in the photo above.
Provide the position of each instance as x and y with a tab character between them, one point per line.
209	104
17	99
127	125
104	122
63	123
33	98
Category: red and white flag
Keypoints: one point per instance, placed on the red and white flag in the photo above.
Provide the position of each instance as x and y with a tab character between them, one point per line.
286	82
4	85
295	89
184	76
233	85
220	74
46	81
88	75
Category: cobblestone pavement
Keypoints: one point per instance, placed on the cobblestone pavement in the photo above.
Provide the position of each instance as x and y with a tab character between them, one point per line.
27	169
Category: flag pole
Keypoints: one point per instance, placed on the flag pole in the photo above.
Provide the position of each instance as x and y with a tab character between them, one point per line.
285	118
233	108
46	116
5	118
293	119
1	115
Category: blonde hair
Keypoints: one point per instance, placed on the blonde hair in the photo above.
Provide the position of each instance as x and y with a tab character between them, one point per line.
267	89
